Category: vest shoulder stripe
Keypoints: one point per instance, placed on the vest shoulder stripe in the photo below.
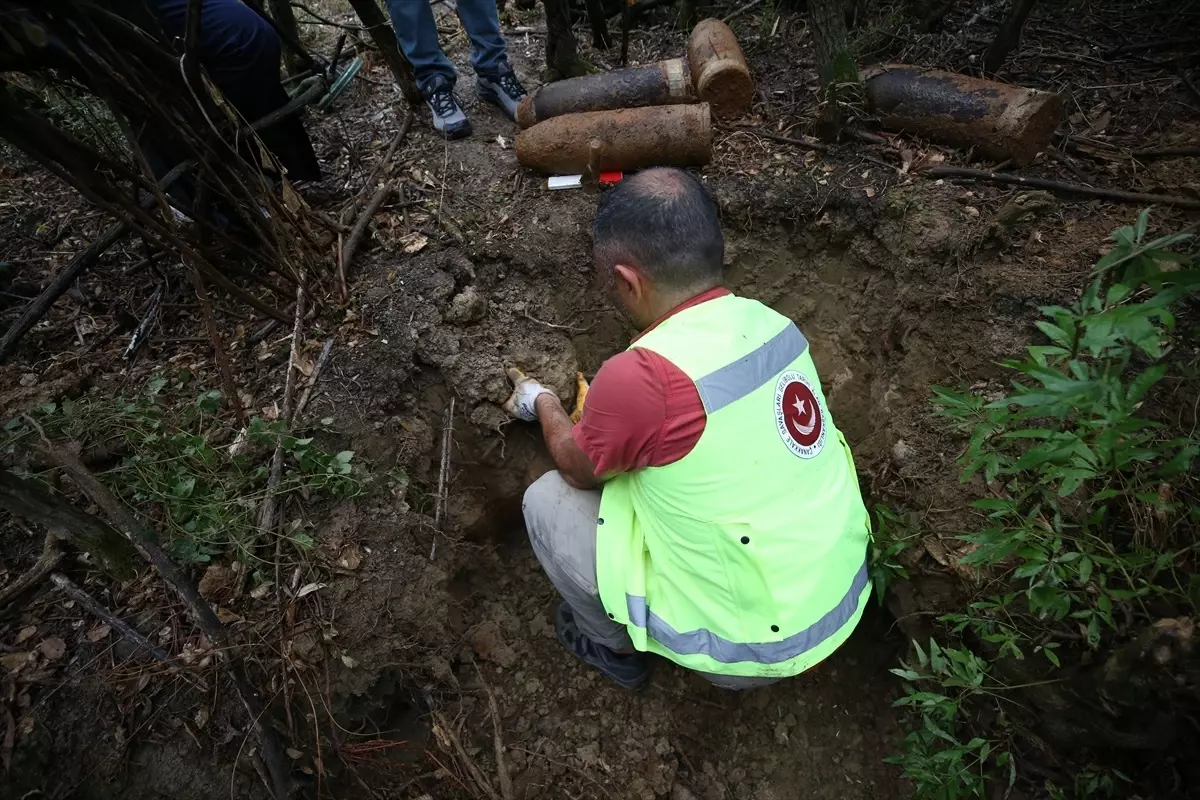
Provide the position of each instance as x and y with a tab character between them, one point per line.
734	381
705	642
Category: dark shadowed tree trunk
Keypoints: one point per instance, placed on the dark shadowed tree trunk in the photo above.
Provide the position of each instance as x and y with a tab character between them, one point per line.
835	63
285	21
1008	37
33	502
598	21
385	39
562	51
689	14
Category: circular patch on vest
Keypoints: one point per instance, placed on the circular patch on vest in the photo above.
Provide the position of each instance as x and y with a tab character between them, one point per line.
798	415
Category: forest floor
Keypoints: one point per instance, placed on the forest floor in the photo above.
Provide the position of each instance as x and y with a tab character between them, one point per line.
410	634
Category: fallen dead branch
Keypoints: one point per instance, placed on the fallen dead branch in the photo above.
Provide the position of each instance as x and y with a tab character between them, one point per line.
219	353
61	283
322	360
737	12
46	562
443	474
85	258
1153	44
963	173
267	514
450	743
385	162
801	143
505	780
360	227
145	541
68	587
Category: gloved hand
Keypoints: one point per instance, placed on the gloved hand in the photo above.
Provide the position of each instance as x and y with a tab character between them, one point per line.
523	402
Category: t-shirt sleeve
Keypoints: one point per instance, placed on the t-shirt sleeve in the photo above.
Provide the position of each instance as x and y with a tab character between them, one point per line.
624	414
641	411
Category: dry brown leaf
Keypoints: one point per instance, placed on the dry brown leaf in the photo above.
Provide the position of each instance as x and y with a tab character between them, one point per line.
304	364
868	191
414	242
226	616
309	588
14	661
99	632
53	648
1101	122
26	633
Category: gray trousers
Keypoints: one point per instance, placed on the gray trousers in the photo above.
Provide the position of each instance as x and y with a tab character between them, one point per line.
561	521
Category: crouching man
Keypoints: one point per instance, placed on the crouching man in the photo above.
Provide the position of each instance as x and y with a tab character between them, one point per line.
705	507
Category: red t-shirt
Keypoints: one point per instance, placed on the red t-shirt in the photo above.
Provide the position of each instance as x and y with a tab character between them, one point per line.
642	410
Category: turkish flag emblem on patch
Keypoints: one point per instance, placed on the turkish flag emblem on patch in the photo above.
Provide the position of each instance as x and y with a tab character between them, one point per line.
799	415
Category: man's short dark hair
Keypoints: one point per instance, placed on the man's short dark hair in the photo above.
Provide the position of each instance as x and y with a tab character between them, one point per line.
664	222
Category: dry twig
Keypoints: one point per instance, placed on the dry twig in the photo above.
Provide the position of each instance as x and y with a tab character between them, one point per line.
1059	187
322	360
219	354
457	750
68	587
266	518
144	539
360	227
46	562
443	474
506	787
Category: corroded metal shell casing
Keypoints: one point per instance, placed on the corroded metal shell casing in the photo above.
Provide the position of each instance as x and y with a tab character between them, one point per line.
998	119
659	84
719	70
623	139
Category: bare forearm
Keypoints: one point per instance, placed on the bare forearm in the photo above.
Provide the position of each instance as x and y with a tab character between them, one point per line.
576	468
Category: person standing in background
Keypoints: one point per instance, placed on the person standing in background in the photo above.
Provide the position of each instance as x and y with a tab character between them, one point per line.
417	33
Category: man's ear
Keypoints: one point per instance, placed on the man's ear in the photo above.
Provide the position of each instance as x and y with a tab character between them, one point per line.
629	282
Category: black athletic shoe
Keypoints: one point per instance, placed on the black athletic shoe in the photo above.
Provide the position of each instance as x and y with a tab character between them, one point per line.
628	671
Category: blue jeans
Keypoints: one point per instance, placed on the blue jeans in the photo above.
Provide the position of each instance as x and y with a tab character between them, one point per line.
417	34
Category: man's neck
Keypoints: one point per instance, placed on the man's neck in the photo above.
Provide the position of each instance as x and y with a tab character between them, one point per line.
684	301
665	306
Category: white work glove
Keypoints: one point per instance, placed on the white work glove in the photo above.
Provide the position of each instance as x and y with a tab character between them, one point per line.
523	402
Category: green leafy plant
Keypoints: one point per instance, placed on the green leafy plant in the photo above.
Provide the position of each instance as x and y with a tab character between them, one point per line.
892	534
939	758
1083	525
199	481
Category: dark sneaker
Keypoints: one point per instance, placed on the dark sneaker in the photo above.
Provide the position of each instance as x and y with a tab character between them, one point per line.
502	90
448	117
629	671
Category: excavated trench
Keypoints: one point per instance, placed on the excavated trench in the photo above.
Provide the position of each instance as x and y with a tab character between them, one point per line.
892	300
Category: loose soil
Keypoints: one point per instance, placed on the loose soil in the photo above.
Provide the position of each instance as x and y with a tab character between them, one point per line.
898	282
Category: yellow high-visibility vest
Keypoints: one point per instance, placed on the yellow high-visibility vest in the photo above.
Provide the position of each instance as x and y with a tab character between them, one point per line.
748	555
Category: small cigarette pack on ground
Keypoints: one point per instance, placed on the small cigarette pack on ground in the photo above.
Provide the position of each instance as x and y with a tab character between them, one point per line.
564	182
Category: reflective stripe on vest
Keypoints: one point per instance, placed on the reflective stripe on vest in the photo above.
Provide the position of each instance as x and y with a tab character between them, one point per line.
705	642
734	381
719	389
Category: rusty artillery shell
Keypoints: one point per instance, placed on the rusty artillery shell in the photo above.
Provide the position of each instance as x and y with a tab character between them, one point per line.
660	84
998	119
719	70
623	139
